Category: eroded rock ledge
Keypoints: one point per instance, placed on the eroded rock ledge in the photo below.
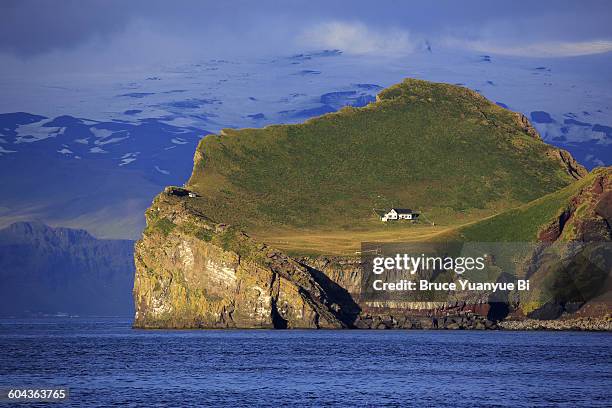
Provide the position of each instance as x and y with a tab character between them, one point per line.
193	273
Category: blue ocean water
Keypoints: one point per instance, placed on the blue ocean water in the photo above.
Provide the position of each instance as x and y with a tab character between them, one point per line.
104	362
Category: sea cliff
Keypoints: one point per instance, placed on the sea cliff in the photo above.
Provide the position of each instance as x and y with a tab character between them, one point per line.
210	256
194	273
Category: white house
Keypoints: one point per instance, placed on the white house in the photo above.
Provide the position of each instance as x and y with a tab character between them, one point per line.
398	214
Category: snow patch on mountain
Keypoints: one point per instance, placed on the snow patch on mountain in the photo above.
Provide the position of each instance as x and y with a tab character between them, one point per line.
100	133
162	171
37	131
5	151
128	158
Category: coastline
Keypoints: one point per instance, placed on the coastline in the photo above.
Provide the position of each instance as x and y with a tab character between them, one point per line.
581	324
599	324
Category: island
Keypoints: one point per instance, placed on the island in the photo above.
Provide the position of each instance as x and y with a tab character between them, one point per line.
267	232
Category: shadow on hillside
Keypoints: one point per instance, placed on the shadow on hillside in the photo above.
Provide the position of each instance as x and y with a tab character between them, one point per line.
349	309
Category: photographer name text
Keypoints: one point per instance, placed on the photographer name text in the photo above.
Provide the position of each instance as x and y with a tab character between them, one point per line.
462	285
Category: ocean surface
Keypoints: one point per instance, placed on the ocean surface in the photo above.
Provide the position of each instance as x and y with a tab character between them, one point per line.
105	362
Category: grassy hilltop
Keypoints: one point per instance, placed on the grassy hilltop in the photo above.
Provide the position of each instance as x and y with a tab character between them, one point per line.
436	148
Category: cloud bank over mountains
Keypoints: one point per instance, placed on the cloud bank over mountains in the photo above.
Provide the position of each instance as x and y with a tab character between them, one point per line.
358	38
535	50
37	36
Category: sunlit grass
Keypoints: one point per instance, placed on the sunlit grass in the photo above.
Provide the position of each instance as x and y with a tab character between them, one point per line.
436	148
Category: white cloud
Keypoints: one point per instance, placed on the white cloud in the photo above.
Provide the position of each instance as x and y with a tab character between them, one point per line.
550	49
357	38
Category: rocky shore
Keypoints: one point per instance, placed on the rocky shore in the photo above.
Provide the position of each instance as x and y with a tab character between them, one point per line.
463	321
577	324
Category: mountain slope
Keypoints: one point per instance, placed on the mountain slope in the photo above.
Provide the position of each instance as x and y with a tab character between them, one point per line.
47	270
540	219
569	263
438	148
95	175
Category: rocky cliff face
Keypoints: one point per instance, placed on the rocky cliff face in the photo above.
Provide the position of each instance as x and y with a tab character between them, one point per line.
192	272
572	264
346	273
588	215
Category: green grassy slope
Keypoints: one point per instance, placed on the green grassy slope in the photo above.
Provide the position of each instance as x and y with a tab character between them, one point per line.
434	147
554	277
523	223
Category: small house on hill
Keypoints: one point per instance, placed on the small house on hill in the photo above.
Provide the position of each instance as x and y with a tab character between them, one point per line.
180	192
395	214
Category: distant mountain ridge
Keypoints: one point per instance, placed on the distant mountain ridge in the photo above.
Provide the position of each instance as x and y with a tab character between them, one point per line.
47	270
81	173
